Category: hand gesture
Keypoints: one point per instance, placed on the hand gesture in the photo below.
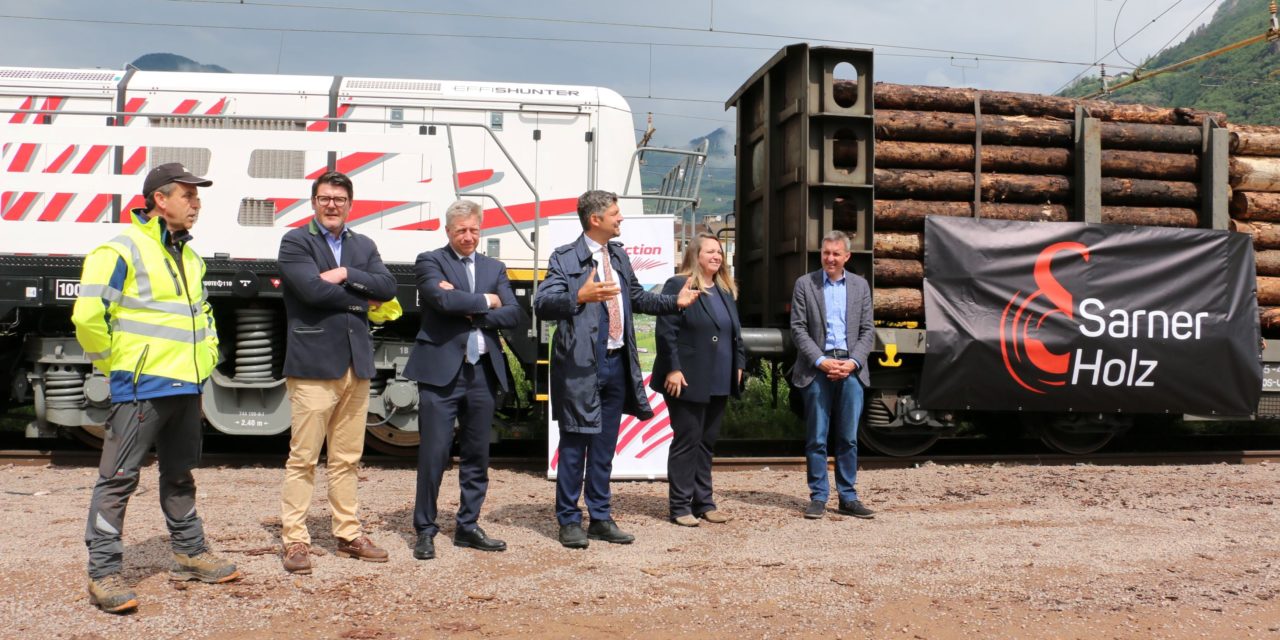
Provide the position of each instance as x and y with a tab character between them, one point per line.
675	383
845	368
335	276
835	369
594	291
444	284
687	295
494	301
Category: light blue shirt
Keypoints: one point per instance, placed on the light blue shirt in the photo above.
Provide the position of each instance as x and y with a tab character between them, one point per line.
335	244
837	303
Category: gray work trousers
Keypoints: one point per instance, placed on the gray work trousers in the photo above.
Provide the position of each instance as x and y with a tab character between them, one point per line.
172	424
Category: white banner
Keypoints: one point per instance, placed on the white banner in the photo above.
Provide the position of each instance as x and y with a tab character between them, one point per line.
642	448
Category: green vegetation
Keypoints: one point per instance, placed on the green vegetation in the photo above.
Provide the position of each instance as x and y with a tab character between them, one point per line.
15	421
1242	83
761	415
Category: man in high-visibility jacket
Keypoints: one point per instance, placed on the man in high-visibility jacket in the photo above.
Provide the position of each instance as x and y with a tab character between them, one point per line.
143	319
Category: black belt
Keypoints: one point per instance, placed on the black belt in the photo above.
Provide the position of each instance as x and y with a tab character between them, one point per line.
836	353
613	352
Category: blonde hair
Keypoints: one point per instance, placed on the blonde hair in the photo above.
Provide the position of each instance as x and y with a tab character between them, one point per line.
689	265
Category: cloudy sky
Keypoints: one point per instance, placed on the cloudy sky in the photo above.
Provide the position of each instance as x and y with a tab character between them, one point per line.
679	59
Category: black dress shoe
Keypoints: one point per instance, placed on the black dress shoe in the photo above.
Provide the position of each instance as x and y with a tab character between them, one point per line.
608	531
425	547
573	537
815	510
476	539
854	508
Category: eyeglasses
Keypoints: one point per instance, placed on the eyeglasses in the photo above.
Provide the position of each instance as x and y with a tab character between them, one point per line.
324	201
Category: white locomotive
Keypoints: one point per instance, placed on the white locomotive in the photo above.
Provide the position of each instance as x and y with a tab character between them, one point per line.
75	144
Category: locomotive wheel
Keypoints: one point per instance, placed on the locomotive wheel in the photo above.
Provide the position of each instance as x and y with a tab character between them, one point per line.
90	435
1074	433
897	442
388	440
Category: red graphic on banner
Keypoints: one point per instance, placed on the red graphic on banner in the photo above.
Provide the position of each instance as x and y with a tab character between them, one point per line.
1026	358
645	435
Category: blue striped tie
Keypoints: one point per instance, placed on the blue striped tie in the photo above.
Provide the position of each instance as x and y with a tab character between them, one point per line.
473	340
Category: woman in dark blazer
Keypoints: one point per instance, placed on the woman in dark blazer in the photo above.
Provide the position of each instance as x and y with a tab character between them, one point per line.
698	366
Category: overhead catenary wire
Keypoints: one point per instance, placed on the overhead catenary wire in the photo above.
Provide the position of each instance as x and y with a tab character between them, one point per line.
1115	28
1180	31
1099	59
630	25
424	34
1271	34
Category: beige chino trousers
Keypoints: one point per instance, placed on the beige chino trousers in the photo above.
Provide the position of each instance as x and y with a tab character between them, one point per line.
332	412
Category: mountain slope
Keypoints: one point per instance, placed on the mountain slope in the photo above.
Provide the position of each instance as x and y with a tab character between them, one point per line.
1241	83
174	62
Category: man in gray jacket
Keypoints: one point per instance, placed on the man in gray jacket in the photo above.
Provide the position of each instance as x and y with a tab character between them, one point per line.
590	291
831	327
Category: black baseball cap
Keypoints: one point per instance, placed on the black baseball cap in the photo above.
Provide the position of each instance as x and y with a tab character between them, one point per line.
171	172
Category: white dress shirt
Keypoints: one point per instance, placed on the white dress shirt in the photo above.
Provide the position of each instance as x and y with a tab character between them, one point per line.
596	254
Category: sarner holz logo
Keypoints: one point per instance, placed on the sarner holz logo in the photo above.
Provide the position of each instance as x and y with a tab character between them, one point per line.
1088	318
1030	323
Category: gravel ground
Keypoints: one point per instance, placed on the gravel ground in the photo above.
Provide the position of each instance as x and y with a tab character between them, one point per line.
955	552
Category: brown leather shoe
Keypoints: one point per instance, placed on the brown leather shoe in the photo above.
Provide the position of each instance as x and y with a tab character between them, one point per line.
361	548
296	558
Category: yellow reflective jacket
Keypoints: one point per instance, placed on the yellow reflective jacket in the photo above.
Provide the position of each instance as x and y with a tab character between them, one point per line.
142	317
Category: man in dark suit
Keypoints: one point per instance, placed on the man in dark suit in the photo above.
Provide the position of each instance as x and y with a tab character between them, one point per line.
331	277
459	365
591	290
833	331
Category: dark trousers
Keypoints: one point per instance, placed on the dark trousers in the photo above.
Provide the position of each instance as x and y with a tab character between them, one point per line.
469	400
591	455
172	425
695	426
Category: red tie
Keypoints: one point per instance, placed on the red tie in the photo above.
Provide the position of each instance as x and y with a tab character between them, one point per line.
615	313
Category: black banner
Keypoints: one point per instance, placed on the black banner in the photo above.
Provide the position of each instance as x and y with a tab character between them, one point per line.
1089	317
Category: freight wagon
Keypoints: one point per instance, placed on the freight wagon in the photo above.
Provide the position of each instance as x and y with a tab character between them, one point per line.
77	143
988	222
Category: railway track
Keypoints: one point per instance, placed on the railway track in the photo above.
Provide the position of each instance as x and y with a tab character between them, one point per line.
88	458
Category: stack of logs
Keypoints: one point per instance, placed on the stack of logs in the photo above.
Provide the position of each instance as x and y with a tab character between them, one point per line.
924	166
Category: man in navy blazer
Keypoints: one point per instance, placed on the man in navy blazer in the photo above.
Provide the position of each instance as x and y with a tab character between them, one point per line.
590	292
459	365
331	277
833	332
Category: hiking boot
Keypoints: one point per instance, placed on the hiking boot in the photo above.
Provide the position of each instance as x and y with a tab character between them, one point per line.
112	595
203	566
296	558
718	517
685	520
